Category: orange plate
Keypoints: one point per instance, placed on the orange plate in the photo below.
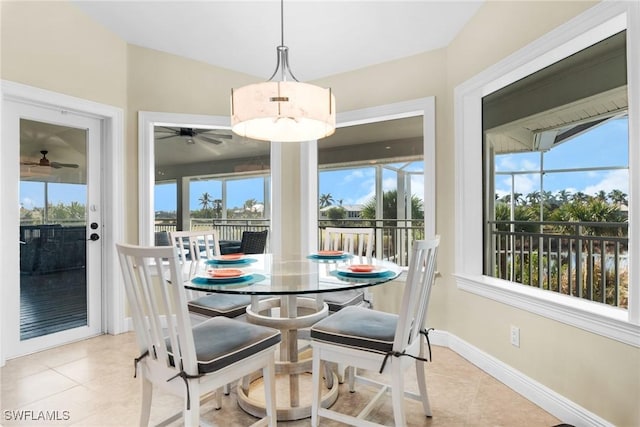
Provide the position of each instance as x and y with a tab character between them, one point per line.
330	253
230	257
361	268
225	272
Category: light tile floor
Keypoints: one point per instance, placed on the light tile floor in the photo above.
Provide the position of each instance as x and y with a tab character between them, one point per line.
90	383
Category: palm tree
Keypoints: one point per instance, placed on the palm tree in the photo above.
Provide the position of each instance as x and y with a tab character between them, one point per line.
217	208
206	201
564	196
580	197
389	207
618	197
534	198
326	200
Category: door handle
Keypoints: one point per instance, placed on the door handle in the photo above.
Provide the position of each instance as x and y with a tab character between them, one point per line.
94	237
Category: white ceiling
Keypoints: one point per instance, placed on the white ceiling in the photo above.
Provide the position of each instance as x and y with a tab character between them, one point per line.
324	37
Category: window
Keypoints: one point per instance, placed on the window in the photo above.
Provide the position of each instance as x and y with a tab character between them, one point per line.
561	223
205	176
165	199
372	175
478	131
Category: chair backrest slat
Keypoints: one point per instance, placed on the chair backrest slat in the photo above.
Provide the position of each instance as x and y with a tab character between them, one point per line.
196	244
155	292
417	292
193	246
356	241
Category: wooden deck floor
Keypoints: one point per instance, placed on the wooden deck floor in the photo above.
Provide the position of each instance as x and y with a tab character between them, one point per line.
52	302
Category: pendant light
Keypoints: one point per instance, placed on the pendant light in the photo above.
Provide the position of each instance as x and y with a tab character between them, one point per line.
282	108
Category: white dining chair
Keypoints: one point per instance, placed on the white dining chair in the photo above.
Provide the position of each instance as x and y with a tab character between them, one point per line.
205	244
359	243
196	244
379	341
184	360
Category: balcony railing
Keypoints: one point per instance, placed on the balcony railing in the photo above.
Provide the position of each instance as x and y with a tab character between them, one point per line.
583	259
228	229
393	238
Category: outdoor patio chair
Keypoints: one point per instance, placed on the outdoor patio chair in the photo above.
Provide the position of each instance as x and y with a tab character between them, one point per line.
187	361
253	242
379	341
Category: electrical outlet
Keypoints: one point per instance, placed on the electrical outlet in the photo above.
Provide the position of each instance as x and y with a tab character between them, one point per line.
515	336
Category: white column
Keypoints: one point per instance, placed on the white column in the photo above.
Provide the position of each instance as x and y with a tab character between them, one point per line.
294	199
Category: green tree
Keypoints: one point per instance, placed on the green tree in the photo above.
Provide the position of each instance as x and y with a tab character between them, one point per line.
249	204
217	208
564	196
206	202
336	213
389	207
618	197
76	210
326	200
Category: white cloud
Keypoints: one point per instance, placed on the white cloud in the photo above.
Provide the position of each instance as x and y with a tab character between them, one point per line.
27	203
417	188
524	184
528	165
514	163
506	163
614	180
358	175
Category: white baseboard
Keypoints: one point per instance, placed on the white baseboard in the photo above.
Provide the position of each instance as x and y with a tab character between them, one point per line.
552	402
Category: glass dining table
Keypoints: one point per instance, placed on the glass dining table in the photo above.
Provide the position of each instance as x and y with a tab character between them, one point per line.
287	295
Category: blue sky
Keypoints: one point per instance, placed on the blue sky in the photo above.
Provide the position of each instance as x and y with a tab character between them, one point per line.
604	146
352	186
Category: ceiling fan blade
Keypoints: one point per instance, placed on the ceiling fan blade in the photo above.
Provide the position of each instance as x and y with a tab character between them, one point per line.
210	140
63	165
30	163
166	137
166	129
217	135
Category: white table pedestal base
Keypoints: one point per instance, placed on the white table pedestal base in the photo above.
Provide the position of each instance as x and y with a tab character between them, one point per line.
295	313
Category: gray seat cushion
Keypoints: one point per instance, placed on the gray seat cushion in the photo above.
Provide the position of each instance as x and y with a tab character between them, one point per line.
226	305
339	300
358	327
221	342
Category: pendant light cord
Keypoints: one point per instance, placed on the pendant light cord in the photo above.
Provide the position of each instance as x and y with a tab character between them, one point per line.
281	22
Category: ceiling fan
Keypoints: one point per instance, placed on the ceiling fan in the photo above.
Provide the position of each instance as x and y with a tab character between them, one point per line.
48	163
191	135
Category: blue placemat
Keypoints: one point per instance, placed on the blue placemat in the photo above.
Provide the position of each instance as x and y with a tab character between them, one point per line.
344	274
329	257
243	261
244	280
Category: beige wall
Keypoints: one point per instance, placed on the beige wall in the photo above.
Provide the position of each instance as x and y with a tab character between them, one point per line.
599	374
51	45
54	46
167	83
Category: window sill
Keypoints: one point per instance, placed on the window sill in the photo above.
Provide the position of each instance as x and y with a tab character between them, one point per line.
609	322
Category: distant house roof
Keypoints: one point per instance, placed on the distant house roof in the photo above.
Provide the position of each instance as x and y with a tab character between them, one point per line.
349	208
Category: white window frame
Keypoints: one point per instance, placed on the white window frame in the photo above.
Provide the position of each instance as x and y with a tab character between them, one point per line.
597	23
